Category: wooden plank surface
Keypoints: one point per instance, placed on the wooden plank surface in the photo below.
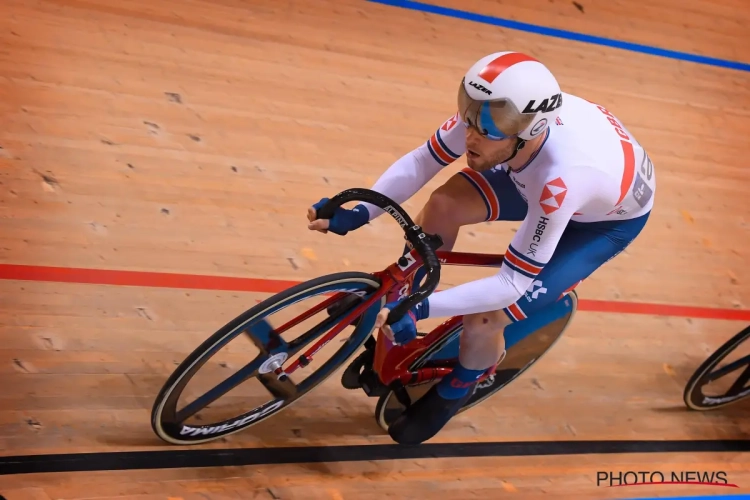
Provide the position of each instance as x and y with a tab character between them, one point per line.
190	137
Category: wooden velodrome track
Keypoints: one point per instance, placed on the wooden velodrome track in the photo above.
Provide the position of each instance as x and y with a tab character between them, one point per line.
190	137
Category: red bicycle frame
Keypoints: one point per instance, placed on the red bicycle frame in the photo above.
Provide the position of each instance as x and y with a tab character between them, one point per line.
392	361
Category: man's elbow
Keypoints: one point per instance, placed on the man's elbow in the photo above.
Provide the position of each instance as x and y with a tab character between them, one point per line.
517	295
514	288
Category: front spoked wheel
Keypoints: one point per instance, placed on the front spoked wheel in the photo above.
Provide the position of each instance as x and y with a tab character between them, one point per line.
717	383
247	375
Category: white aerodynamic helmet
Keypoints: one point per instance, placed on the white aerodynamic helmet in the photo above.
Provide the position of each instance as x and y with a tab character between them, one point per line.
509	94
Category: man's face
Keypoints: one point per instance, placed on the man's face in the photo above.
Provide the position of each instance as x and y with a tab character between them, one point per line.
483	153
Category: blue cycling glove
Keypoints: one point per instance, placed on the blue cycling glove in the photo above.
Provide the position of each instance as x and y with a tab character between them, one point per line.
345	220
405	329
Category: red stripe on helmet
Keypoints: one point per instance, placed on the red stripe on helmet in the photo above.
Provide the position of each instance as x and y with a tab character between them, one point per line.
500	64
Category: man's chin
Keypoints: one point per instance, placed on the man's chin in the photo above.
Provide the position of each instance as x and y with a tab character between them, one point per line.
478	165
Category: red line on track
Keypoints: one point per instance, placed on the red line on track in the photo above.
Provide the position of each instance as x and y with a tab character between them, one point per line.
225	283
140	278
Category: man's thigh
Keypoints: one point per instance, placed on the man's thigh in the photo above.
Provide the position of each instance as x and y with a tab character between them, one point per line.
501	199
582	249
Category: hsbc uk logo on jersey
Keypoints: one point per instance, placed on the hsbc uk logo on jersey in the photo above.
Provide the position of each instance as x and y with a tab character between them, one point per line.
553	195
537	288
541	225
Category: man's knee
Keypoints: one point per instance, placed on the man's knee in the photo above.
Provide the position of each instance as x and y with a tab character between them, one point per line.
441	209
456	203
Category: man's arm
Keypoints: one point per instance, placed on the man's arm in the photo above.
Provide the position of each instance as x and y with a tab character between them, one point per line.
531	248
415	169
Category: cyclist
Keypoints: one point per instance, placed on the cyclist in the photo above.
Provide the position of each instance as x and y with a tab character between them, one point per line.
568	169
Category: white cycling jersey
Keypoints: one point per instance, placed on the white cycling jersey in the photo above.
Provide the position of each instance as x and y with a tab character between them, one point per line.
589	168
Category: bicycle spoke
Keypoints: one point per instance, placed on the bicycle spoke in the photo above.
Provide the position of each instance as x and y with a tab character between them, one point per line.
311	312
740	383
729	368
295	345
276	387
265	337
224	387
341	321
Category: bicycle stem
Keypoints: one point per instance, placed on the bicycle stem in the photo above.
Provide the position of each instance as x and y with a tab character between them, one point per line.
425	244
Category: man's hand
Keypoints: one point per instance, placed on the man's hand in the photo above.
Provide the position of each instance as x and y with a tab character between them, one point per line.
343	220
404	330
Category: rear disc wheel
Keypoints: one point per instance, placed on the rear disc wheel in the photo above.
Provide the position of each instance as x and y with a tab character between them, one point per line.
519	358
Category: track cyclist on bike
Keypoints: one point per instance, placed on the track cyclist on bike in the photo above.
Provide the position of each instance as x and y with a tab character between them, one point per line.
578	180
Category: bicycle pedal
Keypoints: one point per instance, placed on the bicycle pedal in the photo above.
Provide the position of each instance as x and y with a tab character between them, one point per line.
370	343
371	384
350	377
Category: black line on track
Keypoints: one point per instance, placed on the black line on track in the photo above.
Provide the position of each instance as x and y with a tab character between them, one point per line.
232	457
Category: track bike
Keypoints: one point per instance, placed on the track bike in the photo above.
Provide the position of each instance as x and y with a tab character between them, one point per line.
698	390
395	374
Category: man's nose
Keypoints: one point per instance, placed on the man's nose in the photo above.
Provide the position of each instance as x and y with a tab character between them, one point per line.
472	135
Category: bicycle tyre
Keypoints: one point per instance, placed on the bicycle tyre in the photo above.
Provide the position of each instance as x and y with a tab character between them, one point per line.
693	394
163	414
